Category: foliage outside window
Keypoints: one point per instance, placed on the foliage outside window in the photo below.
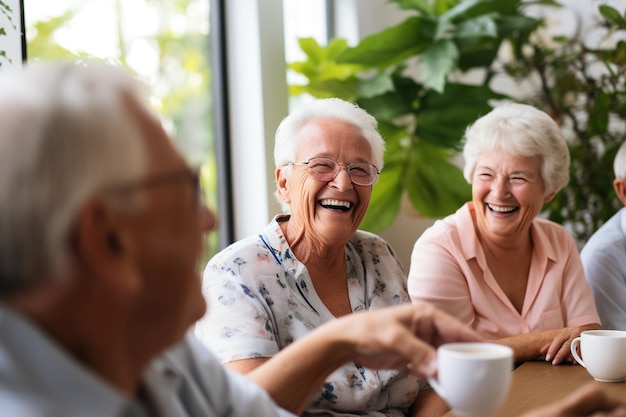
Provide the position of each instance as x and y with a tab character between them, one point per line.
164	43
7	22
410	77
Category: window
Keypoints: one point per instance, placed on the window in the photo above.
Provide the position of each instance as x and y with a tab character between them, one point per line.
165	43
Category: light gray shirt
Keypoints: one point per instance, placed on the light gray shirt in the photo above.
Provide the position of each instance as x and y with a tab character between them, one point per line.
38	378
604	262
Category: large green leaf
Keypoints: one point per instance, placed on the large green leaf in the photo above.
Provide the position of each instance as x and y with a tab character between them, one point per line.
327	89
436	62
442	118
391	45
396	103
612	15
386	198
435	186
483	26
376	86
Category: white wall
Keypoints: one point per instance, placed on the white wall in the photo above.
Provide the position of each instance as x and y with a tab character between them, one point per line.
258	102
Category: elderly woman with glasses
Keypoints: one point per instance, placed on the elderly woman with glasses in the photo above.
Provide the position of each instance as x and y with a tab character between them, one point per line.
312	264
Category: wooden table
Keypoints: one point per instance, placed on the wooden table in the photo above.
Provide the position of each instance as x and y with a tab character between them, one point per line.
538	383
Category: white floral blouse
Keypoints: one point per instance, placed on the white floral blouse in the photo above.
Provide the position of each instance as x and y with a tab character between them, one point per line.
261	298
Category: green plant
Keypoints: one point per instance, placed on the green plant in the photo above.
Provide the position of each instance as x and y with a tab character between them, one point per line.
7	12
582	84
403	77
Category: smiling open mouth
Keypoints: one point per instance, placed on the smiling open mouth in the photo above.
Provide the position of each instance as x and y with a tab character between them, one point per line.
336	204
500	209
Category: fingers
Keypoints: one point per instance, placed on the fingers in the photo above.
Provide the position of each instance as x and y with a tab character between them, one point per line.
559	350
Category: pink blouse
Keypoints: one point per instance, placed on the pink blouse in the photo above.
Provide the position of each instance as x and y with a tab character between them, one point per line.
449	270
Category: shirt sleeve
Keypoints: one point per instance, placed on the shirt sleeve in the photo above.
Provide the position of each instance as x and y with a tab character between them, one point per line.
606	275
188	381
580	308
238	324
436	275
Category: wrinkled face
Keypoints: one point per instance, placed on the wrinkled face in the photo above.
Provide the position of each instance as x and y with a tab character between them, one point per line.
507	192
167	238
326	211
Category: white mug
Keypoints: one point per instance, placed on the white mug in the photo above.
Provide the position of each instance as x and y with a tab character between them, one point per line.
473	378
603	354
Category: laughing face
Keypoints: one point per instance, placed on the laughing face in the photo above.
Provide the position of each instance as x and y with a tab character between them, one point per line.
507	193
329	212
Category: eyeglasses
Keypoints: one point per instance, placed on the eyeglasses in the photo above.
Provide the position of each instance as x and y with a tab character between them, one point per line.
190	175
326	169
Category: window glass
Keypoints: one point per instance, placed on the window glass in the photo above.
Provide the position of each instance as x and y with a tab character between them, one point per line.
165	43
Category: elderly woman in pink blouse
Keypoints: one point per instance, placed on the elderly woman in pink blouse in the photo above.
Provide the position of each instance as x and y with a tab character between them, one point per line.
494	264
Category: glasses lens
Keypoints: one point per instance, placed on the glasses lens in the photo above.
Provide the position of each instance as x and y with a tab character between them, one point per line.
323	169
362	173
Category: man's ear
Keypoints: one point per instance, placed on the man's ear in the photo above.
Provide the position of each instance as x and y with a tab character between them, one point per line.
282	191
101	242
619	185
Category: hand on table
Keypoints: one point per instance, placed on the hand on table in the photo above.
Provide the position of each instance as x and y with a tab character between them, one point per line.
559	350
587	401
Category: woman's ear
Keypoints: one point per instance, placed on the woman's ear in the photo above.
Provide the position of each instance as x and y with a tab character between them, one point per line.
619	185
282	189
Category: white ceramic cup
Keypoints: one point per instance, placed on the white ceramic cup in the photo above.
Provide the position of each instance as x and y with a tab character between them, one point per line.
473	378
603	354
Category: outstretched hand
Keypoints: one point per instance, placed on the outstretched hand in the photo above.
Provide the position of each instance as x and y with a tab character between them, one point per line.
402	337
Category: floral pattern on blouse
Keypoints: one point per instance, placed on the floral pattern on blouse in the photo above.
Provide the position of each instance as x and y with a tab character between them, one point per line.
261	298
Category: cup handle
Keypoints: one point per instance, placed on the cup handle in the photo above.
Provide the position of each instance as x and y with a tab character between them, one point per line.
573	349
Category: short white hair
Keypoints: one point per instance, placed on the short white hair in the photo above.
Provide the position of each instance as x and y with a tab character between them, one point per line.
520	130
65	134
286	141
619	163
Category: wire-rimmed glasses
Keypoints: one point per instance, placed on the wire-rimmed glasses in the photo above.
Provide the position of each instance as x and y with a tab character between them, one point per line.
184	174
326	169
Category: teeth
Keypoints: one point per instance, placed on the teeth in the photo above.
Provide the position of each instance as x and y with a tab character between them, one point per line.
501	209
335	203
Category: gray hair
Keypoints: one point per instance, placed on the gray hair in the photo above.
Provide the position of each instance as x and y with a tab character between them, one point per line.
286	143
65	135
619	163
520	130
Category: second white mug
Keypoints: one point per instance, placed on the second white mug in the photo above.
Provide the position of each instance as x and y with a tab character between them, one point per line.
603	354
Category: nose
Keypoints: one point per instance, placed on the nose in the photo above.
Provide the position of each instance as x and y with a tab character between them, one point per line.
208	219
500	187
342	180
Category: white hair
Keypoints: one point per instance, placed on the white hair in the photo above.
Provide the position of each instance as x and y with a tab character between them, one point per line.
65	135
619	163
520	130
286	141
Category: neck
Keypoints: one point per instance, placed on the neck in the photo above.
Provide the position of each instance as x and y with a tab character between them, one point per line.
313	251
